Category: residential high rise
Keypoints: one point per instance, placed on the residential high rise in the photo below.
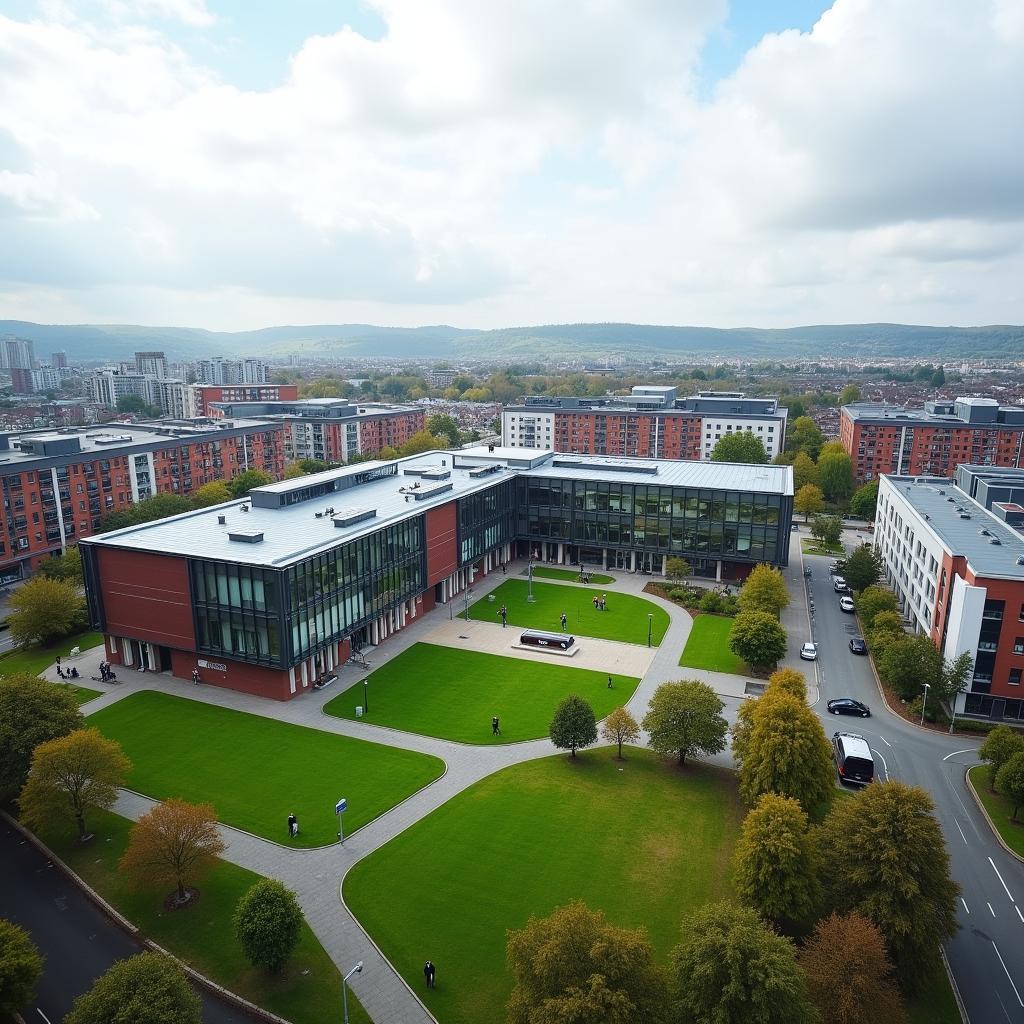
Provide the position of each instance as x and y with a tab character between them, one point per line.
154	364
59	360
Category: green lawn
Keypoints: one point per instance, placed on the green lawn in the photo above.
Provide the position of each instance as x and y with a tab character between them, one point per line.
624	619
255	771
646	844
572	575
453	694
936	1004
707	646
811	547
999	809
82	693
34	659
306	991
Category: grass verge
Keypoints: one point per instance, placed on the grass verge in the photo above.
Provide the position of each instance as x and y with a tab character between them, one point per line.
998	807
624	618
255	771
572	575
453	694
35	658
936	1004
707	646
810	546
306	991
643	840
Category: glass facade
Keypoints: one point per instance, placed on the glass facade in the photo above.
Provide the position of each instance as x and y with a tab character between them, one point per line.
237	611
486	520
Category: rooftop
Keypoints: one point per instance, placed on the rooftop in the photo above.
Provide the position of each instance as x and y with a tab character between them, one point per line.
318	408
307	514
979	412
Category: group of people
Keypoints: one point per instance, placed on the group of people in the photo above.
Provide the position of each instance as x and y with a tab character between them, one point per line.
71	673
106	672
584	577
600	602
293	826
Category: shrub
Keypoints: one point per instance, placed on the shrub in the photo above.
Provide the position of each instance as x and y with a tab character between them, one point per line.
711	602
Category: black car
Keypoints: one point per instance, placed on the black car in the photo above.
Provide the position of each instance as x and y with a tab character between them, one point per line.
848	706
858	646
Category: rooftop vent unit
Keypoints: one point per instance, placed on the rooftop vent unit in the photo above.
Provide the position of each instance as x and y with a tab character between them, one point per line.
351	516
984	532
479	471
433	491
246	536
995	540
318	515
244	508
437	474
1020	559
951	500
965	515
221	520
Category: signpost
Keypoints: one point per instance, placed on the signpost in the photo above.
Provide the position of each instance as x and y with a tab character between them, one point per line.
339	809
529	583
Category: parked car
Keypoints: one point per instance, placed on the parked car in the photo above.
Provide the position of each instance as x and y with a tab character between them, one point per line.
848	706
858	646
846	604
795	527
807	570
809	652
854	762
839	583
836	568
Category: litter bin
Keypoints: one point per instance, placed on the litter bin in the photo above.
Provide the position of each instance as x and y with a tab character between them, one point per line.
359	711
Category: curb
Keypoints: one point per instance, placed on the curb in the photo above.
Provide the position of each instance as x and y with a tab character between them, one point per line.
956	989
135	933
984	810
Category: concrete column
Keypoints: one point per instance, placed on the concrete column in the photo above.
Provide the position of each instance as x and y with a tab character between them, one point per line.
561	554
632	561
305	675
291	679
664	563
604	558
718	571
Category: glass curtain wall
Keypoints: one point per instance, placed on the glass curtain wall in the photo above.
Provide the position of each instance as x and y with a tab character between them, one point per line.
237	610
486	520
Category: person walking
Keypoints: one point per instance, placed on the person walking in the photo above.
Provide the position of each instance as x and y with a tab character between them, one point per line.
564	619
604	601
429	970
292	822
495	726
503	612
610	683
58	666
195	677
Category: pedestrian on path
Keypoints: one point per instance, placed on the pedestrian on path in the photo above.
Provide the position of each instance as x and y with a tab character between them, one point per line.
195	677
58	667
495	726
503	612
429	971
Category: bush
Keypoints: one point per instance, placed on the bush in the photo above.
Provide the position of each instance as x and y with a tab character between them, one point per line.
933	713
711	602
268	922
730	605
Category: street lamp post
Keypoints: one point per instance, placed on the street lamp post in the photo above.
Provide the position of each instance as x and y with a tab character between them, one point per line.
650	626
366	698
924	703
529	583
358	969
466	596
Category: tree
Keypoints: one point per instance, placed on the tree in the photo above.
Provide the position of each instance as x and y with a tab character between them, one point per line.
160	506
730	969
910	661
999	746
865	501
849	976
268	923
136	406
173	844
677	568
214	493
575	966
804	436
851	393
835	474
808	501
740	447
620	727
423	441
79	773
45	609
788	680
1010	781
776	860
787	752
32	711
938	378
956	674
863	568
148	988
20	968
871	602
443	425
884	855
827	530
764	590
804	471
742	729
242	484
67	567
686	718
573	725
758	638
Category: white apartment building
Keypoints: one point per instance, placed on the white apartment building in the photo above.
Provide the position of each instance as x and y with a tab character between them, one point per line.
523	427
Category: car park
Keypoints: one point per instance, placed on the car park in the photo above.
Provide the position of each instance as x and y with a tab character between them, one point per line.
846	604
848	706
858	646
809	652
854	762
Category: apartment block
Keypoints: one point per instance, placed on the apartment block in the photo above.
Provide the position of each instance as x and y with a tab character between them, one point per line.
207	394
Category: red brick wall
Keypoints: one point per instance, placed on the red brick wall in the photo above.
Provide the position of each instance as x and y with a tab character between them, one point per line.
207	393
442	543
1011	592
254	679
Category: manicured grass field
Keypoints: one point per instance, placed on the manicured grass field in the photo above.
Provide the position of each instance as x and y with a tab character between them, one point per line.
572	575
811	547
82	693
255	771
645	844
306	991
999	809
625	618
707	646
34	659
452	693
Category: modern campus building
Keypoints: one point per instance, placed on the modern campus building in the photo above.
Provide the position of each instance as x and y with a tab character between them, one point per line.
333	429
58	486
954	554
931	441
651	422
269	594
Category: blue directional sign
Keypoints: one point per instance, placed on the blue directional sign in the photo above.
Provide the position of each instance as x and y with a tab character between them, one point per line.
341	806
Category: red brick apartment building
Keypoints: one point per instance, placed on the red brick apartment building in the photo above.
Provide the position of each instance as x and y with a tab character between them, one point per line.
57	487
207	394
931	441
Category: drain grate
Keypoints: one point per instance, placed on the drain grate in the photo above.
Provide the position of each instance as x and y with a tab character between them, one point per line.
753	689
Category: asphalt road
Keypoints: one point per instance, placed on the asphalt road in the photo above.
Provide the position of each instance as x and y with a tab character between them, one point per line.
986	954
78	940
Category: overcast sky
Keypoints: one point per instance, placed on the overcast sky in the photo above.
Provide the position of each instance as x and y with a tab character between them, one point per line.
238	163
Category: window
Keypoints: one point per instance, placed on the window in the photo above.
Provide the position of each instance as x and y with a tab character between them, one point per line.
1015	676
1018	645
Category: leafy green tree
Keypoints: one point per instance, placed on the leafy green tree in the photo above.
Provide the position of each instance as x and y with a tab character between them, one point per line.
787	752
764	590
160	506
835	474
758	638
788	680
955	676
45	610
808	500
67	567
999	746
20	968
863	568
32	711
136	406
575	966
730	969
804	471
677	568
742	729
910	661
803	435
72	775
149	988
423	441
827	530
685	718
938	378
268	923
242	484
865	501
883	854
871	602
1010	782
740	447
443	425
776	860
574	725
620	727
849	976
214	493
851	393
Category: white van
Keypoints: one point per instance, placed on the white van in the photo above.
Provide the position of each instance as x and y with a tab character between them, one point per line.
853	758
